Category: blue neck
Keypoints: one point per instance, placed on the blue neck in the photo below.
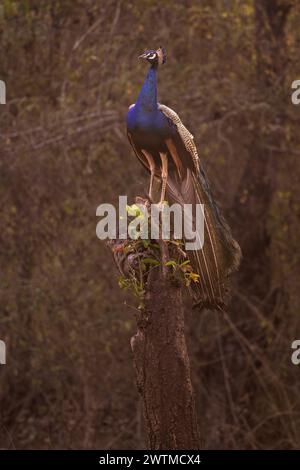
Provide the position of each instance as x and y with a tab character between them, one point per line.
147	99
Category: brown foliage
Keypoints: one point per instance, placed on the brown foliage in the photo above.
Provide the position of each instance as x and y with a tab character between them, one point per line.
71	71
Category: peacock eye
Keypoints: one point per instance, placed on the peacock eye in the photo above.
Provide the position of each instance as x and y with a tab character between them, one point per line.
151	56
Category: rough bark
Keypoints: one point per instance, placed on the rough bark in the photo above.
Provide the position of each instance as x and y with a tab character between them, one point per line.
163	368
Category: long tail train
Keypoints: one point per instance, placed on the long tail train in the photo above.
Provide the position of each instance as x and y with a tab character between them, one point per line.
220	254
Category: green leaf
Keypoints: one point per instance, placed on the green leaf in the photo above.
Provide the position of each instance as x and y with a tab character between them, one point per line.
150	261
184	263
171	263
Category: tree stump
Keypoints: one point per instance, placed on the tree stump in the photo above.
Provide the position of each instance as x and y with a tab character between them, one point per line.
161	359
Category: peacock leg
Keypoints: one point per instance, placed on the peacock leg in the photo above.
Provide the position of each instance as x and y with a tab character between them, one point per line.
151	164
164	175
151	183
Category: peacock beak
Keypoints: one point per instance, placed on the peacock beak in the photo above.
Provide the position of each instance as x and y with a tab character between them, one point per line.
143	56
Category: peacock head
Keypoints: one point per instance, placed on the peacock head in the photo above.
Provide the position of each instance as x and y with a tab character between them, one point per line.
155	58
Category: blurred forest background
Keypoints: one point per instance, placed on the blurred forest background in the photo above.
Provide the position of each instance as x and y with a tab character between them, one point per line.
71	72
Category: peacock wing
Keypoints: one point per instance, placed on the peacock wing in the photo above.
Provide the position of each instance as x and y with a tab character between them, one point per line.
182	144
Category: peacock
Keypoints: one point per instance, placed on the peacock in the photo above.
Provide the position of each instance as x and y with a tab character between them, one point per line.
167	150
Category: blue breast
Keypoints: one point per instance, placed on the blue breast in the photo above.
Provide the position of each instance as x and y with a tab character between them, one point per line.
153	121
148	126
148	129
